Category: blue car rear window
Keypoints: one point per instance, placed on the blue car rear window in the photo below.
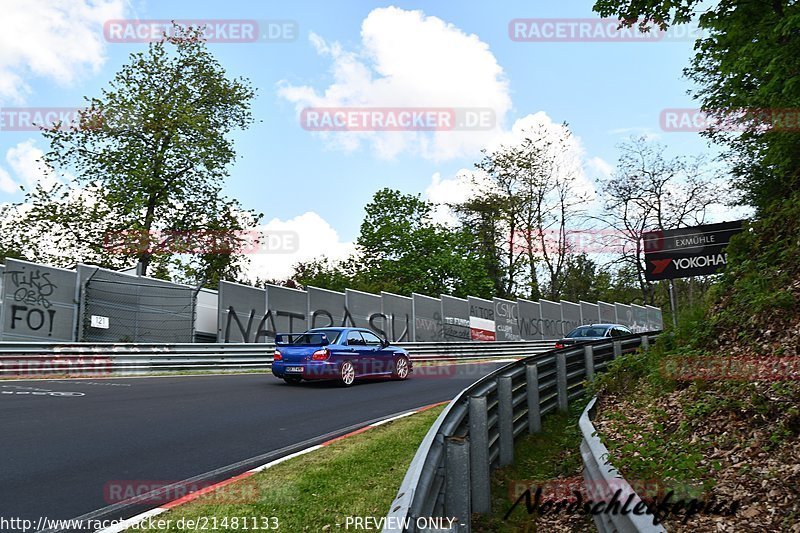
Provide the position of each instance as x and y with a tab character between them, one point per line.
332	334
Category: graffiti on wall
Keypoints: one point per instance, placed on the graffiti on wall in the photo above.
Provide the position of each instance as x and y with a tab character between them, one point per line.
396	323
456	328
263	329
506	314
429	327
482	320
250	314
32	307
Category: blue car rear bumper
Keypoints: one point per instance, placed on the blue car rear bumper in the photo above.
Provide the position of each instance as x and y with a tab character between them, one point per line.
309	369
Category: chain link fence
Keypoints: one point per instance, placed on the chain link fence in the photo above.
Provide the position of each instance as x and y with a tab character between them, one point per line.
136	310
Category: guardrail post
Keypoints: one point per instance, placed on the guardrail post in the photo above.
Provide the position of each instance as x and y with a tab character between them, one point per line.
617	349
534	413
645	343
480	480
561	380
588	361
505	419
456	496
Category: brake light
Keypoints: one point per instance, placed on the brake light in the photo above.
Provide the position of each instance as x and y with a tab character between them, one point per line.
559	345
277	356
321	355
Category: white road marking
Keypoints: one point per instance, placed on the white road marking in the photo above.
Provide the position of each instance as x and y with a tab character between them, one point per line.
282	459
376	424
53	394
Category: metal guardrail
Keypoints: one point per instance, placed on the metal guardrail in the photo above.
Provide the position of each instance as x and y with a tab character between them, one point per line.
450	475
31	358
455	351
606	480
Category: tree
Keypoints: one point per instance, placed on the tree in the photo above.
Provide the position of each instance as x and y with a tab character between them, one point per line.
649	191
10	245
553	199
401	249
148	159
586	280
479	217
745	71
527	198
325	274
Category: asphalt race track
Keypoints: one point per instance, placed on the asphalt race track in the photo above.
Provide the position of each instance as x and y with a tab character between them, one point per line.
59	452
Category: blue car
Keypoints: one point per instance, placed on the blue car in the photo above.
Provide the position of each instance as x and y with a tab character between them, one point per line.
342	354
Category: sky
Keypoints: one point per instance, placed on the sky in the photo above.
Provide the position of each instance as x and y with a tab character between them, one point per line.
465	55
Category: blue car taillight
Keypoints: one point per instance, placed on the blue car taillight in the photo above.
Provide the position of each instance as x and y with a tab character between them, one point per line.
277	356
321	355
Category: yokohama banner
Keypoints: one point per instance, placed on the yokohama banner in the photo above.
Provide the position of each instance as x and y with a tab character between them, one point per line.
686	252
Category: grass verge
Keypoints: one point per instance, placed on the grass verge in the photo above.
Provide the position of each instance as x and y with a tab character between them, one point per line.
355	477
552	456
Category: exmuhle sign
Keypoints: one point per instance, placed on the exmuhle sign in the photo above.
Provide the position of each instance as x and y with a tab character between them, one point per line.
685	252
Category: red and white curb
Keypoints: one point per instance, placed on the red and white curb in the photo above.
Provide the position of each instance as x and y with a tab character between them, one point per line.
130	522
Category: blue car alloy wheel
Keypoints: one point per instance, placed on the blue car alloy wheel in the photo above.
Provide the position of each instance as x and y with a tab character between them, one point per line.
347	373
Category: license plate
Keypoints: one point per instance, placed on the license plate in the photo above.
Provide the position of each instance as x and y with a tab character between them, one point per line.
294	369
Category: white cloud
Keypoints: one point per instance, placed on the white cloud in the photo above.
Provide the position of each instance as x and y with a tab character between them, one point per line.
572	159
455	190
6	183
636	131
53	39
24	159
314	237
410	60
726	213
599	167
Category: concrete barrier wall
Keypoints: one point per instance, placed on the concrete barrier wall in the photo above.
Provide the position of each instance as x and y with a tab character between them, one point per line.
455	318
551	320
427	318
42	303
530	320
398	316
506	316
482	325
590	313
